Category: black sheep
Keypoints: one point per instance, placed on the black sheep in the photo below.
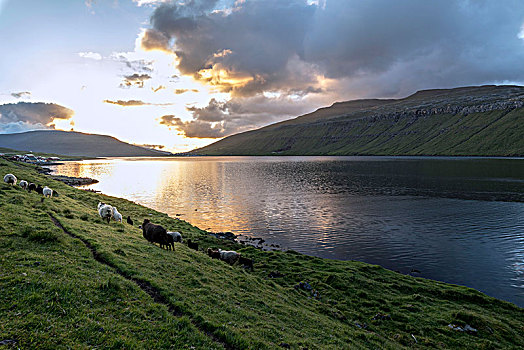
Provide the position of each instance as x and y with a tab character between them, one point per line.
246	262
129	220
192	245
39	189
31	187
155	234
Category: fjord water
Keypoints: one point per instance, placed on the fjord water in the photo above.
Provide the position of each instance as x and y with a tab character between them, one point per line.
458	220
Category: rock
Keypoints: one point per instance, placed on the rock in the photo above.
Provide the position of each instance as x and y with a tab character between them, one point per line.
275	274
470	329
361	325
303	286
7	342
381	317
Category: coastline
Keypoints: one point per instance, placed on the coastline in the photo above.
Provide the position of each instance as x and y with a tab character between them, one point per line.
288	300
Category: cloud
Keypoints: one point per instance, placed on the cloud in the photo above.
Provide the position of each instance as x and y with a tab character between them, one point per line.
133	103
160	87
151	146
135	80
154	40
292	44
127	103
92	55
21	94
223	118
183	91
22	116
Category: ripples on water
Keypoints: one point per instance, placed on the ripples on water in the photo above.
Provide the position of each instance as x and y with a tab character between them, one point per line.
401	213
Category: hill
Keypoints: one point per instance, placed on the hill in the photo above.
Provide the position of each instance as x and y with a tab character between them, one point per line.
74	144
481	121
70	280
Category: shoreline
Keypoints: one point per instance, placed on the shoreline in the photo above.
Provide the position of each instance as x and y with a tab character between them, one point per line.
260	243
68	263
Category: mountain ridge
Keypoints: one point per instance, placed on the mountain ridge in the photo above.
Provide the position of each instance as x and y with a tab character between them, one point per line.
74	143
478	120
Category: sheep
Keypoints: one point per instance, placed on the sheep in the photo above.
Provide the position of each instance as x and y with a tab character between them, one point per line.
213	253
47	192
229	256
192	245
156	234
177	237
129	220
105	211
23	184
39	189
31	187
246	262
116	215
10	179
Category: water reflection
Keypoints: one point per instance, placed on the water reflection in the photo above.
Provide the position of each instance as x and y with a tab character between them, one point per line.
401	213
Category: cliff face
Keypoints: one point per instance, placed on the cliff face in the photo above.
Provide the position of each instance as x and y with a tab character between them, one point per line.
484	120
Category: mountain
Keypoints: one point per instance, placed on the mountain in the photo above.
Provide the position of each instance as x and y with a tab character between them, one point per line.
480	120
74	144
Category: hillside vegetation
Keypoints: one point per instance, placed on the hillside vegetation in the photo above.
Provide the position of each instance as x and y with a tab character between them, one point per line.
74	144
480	121
69	280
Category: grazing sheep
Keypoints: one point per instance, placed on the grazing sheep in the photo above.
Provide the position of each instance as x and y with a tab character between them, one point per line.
47	192
129	220
213	253
105	211
39	189
246	262
156	234
31	187
23	184
177	237
116	215
10	179
192	245
229	256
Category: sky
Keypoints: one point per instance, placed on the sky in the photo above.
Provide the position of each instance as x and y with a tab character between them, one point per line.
178	75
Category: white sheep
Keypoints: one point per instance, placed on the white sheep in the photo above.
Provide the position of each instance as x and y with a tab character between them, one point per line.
23	184
47	192
229	256
116	215
177	237
10	179
105	211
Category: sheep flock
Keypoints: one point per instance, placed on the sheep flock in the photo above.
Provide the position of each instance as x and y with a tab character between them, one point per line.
153	233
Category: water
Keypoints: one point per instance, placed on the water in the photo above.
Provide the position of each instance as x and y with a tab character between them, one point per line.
458	220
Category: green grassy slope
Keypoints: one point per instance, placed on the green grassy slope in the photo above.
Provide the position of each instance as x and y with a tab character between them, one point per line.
381	129
105	286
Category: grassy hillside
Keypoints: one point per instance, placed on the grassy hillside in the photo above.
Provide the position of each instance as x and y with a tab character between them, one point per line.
464	121
68	280
74	144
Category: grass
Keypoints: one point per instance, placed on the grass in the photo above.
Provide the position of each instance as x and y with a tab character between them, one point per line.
495	133
105	286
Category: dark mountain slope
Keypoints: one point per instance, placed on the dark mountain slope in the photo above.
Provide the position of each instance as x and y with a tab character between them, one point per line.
73	144
484	120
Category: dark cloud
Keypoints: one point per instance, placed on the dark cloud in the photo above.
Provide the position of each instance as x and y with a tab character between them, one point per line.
151	146
135	80
283	58
220	119
132	103
154	40
391	47
22	116
21	94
